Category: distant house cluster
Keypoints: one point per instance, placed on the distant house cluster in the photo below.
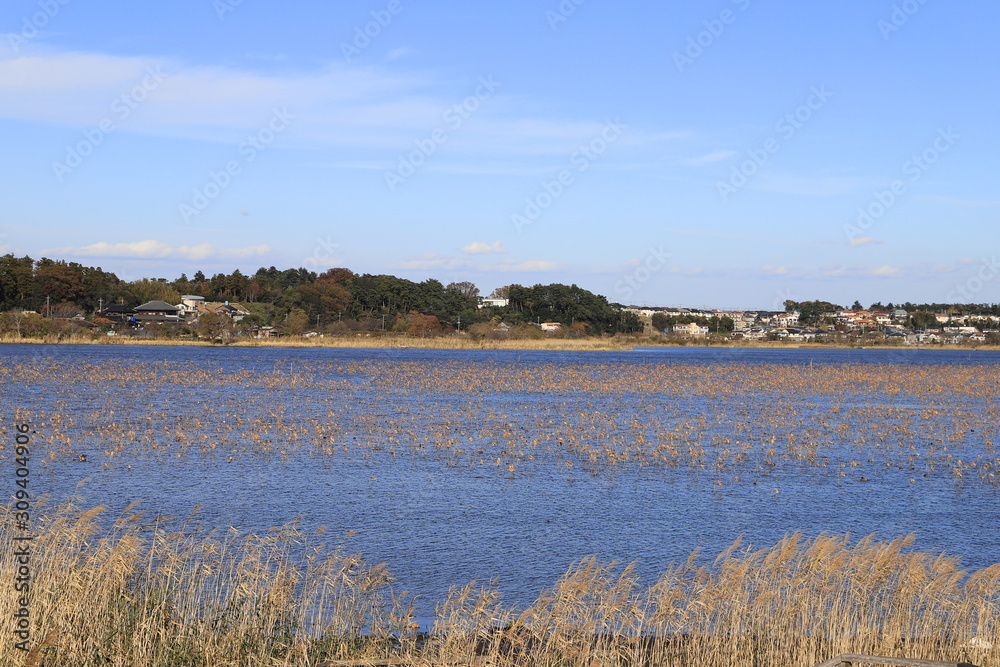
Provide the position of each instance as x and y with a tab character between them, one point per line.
785	325
188	311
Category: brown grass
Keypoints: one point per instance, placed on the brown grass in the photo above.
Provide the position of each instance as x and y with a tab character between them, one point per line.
157	593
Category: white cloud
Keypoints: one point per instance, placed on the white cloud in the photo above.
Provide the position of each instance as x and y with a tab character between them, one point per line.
886	270
863	240
479	248
152	249
773	270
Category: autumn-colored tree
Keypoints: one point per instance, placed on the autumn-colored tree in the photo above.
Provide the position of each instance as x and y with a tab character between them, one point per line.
328	297
423	325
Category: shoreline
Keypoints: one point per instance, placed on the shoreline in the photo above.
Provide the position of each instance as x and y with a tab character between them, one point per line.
453	343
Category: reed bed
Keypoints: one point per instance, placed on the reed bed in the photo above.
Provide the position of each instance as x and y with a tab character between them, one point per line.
169	592
731	423
159	592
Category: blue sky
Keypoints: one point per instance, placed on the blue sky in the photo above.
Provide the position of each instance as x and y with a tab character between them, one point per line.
716	153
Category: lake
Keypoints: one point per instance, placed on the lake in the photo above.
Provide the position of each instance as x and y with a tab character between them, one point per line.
454	466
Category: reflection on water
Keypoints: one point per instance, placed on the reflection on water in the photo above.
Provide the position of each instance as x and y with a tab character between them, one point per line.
259	436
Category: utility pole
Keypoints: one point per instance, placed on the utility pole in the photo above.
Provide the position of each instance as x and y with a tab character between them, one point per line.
459	324
100	304
48	308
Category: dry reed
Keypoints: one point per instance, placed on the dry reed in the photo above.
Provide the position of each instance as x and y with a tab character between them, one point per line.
143	592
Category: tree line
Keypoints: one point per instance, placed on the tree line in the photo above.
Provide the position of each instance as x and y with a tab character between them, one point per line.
300	299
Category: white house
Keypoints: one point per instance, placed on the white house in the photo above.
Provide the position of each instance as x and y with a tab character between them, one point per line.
488	302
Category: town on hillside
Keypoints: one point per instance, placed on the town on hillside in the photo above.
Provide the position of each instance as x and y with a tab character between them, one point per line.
836	325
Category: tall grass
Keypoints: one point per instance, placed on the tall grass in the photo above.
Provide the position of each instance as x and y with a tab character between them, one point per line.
153	593
142	592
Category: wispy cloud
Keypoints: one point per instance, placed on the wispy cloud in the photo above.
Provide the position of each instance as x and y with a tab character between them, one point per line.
431	261
796	184
710	158
384	107
527	266
960	202
886	270
152	249
750	237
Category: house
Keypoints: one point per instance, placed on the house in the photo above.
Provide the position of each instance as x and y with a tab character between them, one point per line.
550	326
691	329
157	311
189	304
489	302
232	310
265	332
787	319
118	313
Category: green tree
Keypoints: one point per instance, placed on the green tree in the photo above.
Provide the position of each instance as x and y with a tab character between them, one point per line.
17	283
923	320
139	292
215	327
295	322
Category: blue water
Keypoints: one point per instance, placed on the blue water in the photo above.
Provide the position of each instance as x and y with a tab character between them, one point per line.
439	518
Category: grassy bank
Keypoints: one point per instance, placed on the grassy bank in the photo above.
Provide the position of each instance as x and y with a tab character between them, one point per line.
143	592
467	343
